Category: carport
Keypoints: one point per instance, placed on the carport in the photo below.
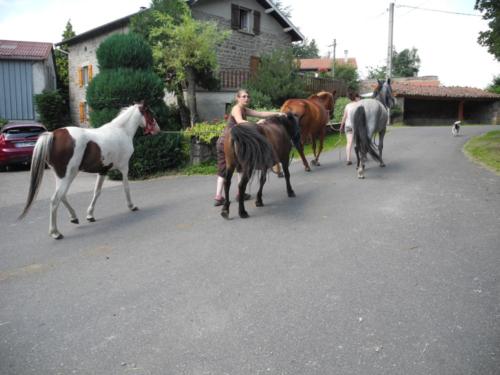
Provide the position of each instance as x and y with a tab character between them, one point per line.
440	105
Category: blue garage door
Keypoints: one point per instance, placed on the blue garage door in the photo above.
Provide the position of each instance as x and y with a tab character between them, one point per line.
16	90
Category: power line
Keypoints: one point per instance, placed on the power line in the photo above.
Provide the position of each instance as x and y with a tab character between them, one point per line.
438	10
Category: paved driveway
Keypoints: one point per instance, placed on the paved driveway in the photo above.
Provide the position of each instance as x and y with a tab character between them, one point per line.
395	274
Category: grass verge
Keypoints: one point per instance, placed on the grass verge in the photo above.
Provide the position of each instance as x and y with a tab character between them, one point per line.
485	149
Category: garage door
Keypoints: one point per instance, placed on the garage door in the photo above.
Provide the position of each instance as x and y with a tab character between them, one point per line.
16	90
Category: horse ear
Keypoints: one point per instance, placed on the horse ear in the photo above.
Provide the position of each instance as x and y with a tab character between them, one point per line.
388	81
334	92
380	82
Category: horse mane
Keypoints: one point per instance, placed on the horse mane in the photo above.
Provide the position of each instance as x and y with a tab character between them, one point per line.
123	115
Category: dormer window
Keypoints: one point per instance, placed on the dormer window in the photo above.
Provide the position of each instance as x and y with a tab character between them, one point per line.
244	19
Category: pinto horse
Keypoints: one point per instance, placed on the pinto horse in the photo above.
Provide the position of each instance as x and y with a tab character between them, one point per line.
313	113
70	150
249	147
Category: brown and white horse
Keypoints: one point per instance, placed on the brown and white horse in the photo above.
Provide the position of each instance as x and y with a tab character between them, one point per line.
73	149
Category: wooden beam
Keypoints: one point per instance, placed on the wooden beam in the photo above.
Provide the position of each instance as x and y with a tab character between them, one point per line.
288	29
269	10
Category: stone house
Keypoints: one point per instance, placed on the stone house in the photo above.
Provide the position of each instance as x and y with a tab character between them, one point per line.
26	69
258	27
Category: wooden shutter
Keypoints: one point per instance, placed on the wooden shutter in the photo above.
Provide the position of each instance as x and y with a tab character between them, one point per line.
90	72
256	22
80	76
235	17
82	112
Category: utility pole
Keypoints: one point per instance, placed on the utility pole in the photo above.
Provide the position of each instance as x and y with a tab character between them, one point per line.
334	45
390	46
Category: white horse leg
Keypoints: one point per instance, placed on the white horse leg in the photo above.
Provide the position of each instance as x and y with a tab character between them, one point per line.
62	186
72	214
97	191
126	187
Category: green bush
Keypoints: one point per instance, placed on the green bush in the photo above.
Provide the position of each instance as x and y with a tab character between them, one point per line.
205	132
259	99
124	51
278	77
51	107
3	122
338	112
168	117
155	154
118	88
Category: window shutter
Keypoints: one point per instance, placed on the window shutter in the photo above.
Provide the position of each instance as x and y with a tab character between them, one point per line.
80	76
235	17
256	22
90	72
82	112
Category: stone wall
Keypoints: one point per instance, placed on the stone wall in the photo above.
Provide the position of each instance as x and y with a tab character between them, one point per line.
236	51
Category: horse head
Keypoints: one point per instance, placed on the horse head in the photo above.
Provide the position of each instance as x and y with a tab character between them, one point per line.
383	93
149	123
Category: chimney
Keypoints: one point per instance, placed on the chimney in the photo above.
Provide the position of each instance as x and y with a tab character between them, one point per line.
345	56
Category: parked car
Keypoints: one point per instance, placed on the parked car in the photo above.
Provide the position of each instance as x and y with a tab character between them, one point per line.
17	141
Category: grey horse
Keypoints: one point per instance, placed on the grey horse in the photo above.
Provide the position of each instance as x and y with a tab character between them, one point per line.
369	118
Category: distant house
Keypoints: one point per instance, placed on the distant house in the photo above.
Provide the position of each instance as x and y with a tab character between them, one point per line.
258	27
424	101
26	69
324	64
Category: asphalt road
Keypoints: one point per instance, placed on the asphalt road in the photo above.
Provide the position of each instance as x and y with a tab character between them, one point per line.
395	274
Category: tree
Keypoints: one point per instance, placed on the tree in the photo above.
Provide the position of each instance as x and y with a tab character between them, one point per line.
349	74
285	9
185	49
490	38
404	64
277	77
62	57
494	87
305	49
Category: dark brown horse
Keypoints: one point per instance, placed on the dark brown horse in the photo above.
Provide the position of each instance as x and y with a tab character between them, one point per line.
313	113
250	147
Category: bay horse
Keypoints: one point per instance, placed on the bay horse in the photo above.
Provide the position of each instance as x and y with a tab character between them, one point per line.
313	113
369	118
250	147
72	149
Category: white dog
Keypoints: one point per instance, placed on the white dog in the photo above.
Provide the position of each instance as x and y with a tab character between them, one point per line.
455	128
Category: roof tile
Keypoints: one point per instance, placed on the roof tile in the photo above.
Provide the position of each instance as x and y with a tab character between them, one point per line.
18	50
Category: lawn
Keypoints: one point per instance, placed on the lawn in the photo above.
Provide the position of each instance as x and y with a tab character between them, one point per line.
485	149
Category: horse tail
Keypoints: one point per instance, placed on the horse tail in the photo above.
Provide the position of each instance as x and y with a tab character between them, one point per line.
252	149
360	129
293	129
38	160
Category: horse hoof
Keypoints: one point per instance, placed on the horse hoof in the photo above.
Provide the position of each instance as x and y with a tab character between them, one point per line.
225	214
291	194
361	177
281	175
244	215
259	204
307	169
134	208
57	236
382	165
91	219
75	221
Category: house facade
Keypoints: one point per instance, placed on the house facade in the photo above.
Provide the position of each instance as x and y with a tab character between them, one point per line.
258	27
26	69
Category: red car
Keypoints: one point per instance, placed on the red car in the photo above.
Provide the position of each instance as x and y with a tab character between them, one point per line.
17	142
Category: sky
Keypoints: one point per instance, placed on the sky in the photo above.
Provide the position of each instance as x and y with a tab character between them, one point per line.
446	43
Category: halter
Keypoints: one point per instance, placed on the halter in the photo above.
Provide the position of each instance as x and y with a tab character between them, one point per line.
151	123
